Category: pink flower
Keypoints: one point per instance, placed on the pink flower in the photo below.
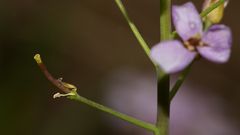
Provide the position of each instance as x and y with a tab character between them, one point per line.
214	44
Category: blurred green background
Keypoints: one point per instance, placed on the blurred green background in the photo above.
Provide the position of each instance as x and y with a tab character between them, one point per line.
85	41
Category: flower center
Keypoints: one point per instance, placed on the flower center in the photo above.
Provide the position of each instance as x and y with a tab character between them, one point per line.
193	43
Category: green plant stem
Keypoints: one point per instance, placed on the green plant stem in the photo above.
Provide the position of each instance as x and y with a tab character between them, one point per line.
133	28
165	19
70	92
179	82
163	79
163	103
205	13
137	122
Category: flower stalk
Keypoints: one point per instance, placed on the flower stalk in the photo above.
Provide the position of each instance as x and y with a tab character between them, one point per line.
163	79
71	93
179	82
133	27
134	121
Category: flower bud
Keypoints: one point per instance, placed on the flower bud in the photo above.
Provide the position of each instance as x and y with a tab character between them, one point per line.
217	14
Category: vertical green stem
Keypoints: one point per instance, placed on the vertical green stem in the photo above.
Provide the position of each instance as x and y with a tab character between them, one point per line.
163	103
165	19
163	79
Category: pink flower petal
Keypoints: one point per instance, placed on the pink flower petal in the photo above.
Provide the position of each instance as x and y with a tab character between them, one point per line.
219	40
187	21
171	56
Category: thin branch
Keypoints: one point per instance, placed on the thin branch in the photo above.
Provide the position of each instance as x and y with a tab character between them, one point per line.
133	28
66	88
117	114
179	82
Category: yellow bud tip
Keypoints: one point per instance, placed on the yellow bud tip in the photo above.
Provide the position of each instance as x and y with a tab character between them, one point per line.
38	59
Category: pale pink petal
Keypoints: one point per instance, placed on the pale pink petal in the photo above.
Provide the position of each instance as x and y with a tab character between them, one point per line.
172	56
218	40
187	21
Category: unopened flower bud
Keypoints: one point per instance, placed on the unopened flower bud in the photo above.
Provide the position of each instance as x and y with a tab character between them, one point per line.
217	14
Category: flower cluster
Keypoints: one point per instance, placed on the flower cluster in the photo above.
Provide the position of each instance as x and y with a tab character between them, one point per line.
213	44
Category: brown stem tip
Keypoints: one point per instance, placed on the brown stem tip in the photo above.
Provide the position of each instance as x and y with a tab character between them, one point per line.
65	87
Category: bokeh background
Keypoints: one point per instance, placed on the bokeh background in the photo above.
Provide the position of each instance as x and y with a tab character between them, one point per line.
89	44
